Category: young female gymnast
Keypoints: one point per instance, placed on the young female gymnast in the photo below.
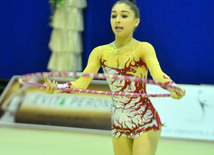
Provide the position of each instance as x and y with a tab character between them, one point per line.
136	126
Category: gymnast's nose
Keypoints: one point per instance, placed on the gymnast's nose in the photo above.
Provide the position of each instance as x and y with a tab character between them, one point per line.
118	19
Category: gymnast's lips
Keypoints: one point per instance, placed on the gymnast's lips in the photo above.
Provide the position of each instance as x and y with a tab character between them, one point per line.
118	28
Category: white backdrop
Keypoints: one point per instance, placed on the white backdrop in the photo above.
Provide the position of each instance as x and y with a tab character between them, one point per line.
190	117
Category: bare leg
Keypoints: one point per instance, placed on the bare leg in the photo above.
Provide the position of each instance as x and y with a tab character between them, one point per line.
146	143
122	145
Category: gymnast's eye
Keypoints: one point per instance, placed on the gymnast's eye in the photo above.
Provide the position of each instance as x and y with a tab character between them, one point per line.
113	16
124	16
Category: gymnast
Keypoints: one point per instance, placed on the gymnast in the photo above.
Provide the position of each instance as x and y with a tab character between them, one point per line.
136	126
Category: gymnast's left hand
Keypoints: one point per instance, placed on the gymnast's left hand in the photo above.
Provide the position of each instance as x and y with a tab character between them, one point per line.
51	87
178	94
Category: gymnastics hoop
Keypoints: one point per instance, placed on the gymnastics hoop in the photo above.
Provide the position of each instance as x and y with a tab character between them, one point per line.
24	80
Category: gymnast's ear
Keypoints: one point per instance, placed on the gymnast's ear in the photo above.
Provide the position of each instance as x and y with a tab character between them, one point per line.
137	22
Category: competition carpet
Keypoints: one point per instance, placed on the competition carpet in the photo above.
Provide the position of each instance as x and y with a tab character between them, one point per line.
31	141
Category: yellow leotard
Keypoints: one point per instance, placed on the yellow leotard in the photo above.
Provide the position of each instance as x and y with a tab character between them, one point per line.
131	116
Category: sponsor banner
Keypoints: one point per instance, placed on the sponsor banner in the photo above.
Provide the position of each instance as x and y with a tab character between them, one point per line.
68	101
74	110
190	117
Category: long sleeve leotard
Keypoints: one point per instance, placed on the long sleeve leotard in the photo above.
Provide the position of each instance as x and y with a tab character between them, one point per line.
131	116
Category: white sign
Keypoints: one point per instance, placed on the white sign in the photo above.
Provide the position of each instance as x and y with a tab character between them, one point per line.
190	117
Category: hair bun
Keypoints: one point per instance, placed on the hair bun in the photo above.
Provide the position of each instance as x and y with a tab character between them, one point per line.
133	1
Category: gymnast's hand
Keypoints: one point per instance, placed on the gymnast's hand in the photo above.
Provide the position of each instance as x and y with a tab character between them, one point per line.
178	94
51	87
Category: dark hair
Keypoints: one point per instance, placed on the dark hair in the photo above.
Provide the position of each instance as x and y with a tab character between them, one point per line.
133	6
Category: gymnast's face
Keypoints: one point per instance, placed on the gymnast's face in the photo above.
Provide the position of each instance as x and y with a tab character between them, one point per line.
123	21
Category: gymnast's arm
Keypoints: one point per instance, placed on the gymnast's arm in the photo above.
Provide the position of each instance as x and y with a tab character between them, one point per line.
149	57
93	66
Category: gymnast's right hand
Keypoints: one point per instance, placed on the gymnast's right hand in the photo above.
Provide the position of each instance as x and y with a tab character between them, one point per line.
51	87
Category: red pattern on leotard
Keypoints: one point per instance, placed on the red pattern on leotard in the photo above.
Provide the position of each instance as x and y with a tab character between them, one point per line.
131	116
